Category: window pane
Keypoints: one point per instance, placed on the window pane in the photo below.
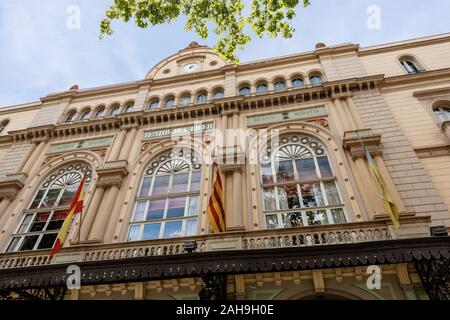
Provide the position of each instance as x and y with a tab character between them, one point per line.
39	222
191	227
139	213
325	169
50	198
180	182
332	193
193	206
57	220
261	88
153	105
160	185
288	196
298	83
156	209
25	223
151	231
37	199
292	220
318	217
312	195
271	221
67	196
266	173
13	245
270	202
176	207
306	169
279	85
338	216
47	241
29	242
195	181
218	95
285	171
146	183
172	229
133	233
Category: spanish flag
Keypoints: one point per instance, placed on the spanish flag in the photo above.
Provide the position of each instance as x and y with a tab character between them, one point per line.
75	208
382	190
216	205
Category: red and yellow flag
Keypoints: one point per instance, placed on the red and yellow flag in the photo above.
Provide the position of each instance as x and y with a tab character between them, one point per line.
75	208
216	205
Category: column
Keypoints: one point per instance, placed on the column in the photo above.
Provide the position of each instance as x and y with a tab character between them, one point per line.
352	108
118	142
349	115
33	157
375	200
446	128
4	204
100	224
361	186
25	157
341	114
91	213
389	183
336	121
237	199
125	152
224	129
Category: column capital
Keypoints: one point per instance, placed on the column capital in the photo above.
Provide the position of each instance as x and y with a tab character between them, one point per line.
341	95
352	142
112	173
11	185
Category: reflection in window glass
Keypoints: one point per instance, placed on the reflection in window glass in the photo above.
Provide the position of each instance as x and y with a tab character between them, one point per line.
193	206
139	212
37	199
25	224
151	231
332	193
145	187
180	182
191	227
176	207
47	241
172	229
156	209
195	181
324	166
292	220
269	197
29	242
312	195
306	169
271	221
67	196
285	171
161	185
266	173
50	198
318	217
338	216
288	196
133	234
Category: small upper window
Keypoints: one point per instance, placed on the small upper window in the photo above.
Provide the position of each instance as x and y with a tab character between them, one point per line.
99	112
315	80
114	111
410	65
70	116
153	105
201	98
443	113
185	100
218	94
3	125
169	103
244	91
298	83
129	107
261	88
85	115
279	85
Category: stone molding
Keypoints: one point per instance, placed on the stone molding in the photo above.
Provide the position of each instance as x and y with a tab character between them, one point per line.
112	173
12	184
367	137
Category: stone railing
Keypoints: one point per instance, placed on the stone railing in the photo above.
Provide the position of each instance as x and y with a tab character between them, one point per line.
241	240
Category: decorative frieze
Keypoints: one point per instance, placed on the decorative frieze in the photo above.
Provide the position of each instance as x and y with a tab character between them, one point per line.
81	144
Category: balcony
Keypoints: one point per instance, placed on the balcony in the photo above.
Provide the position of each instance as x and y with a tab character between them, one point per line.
250	240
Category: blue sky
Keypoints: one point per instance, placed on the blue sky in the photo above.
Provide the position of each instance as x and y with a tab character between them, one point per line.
39	54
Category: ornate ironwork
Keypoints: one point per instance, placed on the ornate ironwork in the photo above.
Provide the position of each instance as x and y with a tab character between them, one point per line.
435	276
215	287
41	293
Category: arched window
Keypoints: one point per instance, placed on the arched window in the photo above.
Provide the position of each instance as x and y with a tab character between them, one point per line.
114	110
169	102
168	200
185	100
261	88
279	85
46	213
244	91
442	112
85	115
218	94
298	83
129	107
99	112
153	105
410	65
3	125
299	188
315	79
70	116
201	98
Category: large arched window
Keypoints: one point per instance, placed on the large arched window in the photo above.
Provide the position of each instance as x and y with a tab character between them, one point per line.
46	213
299	188
168	199
410	65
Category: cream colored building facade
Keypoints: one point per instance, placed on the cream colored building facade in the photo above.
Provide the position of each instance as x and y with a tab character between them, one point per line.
149	185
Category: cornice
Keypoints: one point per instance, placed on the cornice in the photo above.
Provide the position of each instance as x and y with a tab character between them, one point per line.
337	50
406	79
431	93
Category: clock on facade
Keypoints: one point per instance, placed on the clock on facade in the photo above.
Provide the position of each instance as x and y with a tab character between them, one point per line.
190	67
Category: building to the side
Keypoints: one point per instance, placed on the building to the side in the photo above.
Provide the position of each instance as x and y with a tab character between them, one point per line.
304	219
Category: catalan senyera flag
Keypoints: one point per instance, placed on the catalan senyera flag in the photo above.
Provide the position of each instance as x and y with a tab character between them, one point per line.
75	208
382	190
216	205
